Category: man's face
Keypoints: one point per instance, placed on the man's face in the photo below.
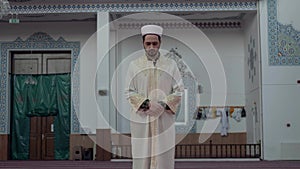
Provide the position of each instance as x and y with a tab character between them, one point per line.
151	45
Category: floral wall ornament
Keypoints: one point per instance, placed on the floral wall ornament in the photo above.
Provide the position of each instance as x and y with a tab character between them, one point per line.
284	40
252	57
4	8
146	6
190	84
288	41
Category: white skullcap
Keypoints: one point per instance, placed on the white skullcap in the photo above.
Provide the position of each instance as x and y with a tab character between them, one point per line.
152	29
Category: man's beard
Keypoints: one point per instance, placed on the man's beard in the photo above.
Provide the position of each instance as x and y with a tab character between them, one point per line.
151	53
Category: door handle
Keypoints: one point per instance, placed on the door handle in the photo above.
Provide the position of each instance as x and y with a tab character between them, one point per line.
52	127
43	136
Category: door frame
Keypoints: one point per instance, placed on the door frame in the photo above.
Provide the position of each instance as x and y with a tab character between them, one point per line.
37	41
42	70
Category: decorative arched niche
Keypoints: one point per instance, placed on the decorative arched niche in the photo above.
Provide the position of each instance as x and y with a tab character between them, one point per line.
37	41
185	121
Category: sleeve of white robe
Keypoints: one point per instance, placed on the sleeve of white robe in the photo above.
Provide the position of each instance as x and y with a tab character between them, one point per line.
135	99
174	99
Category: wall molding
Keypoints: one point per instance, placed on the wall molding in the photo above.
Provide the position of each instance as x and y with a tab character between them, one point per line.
37	41
134	7
228	24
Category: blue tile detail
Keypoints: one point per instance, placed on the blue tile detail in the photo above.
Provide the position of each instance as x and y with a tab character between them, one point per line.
37	41
135	7
190	84
284	43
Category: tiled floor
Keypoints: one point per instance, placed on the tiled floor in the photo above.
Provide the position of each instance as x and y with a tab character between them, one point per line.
127	165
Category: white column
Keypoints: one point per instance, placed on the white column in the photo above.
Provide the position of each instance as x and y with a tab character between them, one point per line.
103	80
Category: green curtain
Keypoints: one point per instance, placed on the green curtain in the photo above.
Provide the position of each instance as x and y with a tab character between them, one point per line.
62	120
41	95
20	122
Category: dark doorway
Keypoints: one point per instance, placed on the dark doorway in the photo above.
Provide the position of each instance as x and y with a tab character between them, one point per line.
41	130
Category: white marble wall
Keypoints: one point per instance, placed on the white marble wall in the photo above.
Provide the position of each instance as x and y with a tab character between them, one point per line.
280	91
252	79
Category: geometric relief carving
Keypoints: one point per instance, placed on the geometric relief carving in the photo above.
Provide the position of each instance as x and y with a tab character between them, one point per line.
252	57
132	6
226	24
288	42
284	40
37	41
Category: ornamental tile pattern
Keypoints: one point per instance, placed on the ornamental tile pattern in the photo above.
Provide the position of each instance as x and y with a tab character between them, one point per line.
231	24
284	40
189	82
37	41
135	7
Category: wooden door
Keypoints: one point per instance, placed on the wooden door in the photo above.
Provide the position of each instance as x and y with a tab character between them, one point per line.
41	128
56	63
27	64
48	138
35	142
41	142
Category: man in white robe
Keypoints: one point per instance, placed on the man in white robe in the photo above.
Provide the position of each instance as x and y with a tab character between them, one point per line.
154	92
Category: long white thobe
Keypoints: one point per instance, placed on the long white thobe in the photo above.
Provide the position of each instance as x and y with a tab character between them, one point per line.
153	138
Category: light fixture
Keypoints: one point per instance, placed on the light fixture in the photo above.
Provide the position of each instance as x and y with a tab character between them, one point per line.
4	8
